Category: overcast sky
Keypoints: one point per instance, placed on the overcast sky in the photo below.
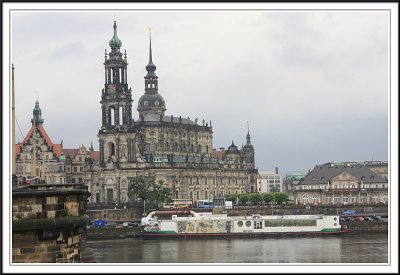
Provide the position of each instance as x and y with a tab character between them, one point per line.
313	85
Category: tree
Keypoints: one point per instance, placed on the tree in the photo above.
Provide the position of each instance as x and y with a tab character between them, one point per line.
231	197
255	198
274	189
281	197
243	198
148	190
267	197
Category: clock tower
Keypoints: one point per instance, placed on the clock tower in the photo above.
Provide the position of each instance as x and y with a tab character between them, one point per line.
116	135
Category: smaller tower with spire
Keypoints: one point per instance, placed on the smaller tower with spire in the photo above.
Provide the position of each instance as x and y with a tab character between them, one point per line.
37	119
248	149
151	102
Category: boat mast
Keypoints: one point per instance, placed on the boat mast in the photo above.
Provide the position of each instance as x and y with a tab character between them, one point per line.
33	170
42	174
14	163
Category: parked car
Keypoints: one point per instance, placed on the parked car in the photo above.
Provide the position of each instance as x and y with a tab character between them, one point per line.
349	219
349	212
377	218
133	224
99	223
359	219
111	224
368	219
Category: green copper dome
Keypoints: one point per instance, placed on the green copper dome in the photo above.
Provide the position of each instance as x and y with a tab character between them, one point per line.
115	42
62	157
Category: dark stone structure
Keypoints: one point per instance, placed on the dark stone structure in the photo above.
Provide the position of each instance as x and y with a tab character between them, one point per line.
177	150
48	223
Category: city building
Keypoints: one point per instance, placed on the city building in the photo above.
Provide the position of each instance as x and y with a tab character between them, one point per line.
270	181
344	183
38	157
177	150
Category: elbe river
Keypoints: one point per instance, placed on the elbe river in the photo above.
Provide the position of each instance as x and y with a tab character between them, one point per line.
346	248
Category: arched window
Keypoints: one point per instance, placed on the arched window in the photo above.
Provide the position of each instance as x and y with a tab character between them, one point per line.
328	199
315	199
111	149
337	198
112	116
305	199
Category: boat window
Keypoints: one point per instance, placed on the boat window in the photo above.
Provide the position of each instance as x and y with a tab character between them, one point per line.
240	223
257	225
248	223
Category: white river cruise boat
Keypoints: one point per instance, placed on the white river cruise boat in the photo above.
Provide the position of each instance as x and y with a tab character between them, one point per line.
168	224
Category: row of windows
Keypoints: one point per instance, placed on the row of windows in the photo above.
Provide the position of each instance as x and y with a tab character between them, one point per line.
362	178
277	223
345	198
214	194
342	186
175	134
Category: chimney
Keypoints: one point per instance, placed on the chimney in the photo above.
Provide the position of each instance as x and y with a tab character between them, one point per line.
276	170
221	148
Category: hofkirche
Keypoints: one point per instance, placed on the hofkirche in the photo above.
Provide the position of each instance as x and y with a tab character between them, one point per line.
177	150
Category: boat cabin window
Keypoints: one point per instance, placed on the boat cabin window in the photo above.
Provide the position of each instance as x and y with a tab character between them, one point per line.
248	223
240	223
257	225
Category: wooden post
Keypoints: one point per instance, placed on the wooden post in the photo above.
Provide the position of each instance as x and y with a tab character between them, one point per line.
14	161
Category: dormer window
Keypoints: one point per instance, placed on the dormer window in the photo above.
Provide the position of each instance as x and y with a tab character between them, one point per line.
313	178
156	103
146	103
363	178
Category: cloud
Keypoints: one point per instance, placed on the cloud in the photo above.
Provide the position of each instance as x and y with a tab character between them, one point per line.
308	82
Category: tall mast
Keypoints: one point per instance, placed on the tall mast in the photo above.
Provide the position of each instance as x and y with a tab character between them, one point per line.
23	163
42	177
14	163
33	171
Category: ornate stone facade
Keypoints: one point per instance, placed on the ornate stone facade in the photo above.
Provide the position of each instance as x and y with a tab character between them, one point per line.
177	150
38	157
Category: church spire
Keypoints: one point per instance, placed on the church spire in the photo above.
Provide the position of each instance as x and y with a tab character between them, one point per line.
151	78
115	43
248	142
37	115
151	102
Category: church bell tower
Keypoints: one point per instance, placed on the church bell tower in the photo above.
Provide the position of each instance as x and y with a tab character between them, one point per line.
116	105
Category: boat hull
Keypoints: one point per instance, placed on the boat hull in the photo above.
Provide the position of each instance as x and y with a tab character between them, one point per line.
154	235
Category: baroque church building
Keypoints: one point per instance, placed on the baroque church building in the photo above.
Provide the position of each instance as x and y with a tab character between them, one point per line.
177	150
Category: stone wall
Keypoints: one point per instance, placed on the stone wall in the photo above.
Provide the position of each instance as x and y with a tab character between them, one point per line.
48	222
128	214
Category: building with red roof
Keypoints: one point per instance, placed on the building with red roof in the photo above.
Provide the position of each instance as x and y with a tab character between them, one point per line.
38	156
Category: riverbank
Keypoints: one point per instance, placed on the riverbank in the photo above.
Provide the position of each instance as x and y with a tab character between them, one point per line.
109	233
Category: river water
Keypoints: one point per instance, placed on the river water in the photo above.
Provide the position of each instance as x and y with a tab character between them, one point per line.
346	248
